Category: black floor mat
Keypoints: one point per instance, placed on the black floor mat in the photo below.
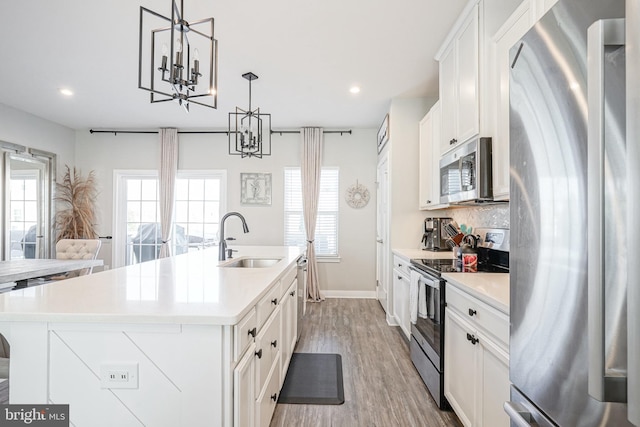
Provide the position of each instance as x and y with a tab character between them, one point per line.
313	379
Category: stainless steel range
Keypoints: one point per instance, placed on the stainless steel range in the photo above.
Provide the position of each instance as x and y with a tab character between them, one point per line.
427	334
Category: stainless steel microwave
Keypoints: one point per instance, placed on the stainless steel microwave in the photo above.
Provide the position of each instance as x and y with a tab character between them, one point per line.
466	174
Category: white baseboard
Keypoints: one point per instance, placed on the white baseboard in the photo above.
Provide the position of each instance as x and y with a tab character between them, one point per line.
349	294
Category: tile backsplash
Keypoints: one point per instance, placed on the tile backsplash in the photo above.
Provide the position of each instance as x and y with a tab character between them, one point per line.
489	216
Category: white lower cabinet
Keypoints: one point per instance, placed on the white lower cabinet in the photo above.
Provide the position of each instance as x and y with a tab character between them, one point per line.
268	344
289	327
494	391
244	377
476	379
401	285
460	368
260	372
266	403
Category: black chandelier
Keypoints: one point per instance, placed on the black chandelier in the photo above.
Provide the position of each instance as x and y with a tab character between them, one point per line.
181	62
249	135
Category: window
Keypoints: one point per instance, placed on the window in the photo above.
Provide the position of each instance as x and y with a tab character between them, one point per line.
23	216
199	200
326	238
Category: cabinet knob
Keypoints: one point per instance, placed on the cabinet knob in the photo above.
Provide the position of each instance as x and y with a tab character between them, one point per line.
428	202
252	332
453	141
399	277
292	293
274	343
259	354
472	312
274	301
472	338
274	397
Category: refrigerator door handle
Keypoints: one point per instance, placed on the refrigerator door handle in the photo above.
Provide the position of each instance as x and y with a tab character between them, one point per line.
519	415
632	53
602	387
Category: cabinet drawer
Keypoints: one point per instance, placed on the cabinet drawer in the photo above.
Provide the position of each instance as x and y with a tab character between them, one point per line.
401	265
267	304
266	402
244	333
268	345
479	314
288	278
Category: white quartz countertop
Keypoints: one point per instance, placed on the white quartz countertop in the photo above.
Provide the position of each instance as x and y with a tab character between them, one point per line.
491	288
408	254
184	289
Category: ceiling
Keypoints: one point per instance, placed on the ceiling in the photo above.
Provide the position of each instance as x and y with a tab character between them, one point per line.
306	53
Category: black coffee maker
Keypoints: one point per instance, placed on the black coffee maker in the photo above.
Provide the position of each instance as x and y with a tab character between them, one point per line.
434	237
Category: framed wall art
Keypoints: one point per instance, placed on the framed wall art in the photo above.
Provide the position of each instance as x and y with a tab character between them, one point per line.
383	133
255	189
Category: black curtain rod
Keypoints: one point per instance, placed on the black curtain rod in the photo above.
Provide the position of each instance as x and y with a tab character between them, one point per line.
116	132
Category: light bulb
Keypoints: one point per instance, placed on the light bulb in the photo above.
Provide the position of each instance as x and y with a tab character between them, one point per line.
178	45
165	49
196	54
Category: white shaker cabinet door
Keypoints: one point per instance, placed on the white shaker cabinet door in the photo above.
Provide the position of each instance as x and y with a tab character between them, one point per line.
460	367
425	174
494	384
467	67
244	398
515	27
448	101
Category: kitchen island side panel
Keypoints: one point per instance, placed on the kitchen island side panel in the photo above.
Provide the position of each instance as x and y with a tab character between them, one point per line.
179	369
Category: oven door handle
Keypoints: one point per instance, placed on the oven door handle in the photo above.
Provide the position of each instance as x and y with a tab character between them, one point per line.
427	279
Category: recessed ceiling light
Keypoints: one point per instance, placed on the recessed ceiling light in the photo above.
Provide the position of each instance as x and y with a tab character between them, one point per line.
354	89
65	92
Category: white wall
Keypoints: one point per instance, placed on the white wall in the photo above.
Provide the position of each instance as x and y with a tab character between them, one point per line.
404	140
354	154
30	131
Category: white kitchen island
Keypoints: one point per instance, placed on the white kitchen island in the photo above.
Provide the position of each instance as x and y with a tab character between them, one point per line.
175	332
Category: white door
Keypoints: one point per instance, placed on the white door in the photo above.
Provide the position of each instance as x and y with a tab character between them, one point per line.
382	231
27	226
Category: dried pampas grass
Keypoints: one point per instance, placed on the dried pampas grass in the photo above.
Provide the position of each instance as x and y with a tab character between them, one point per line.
76	196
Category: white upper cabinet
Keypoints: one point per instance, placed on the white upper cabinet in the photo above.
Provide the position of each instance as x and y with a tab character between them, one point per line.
429	171
471	88
467	57
448	100
459	83
540	7
514	28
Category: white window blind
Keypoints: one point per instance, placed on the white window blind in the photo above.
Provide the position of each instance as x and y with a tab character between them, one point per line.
326	238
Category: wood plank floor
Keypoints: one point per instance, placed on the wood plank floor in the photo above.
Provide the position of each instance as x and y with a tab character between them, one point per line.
381	386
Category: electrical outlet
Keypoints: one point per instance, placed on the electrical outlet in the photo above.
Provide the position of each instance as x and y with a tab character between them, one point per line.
119	375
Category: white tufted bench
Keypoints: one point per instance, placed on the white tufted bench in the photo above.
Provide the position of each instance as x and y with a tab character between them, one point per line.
78	249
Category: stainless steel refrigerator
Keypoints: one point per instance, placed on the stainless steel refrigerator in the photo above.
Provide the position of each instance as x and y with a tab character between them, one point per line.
573	91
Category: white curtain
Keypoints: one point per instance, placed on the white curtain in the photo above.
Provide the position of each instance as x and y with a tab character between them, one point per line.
168	172
311	167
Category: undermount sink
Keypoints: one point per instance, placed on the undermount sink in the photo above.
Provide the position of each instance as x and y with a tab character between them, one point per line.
253	262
